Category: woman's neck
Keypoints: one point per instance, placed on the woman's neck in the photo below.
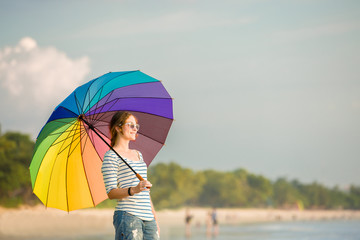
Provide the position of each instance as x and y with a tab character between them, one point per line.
122	145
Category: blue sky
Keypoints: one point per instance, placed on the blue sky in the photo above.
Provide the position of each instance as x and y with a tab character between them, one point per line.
269	86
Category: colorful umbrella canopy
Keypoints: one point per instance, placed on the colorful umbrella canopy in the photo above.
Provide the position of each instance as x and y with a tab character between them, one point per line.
66	166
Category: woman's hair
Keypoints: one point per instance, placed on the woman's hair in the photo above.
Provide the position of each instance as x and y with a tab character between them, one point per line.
118	119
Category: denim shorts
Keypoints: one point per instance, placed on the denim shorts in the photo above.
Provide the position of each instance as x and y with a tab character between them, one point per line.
130	227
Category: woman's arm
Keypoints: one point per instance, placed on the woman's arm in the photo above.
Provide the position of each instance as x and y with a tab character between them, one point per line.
119	193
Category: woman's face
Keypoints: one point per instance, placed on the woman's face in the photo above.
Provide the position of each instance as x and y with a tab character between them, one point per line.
129	128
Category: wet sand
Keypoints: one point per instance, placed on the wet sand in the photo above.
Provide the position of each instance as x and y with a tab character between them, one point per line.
41	222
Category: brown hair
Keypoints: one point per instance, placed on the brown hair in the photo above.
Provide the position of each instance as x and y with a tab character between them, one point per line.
118	119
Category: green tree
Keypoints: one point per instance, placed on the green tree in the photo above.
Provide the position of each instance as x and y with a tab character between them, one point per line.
337	199
223	189
354	197
15	156
317	195
174	186
284	193
261	190
210	195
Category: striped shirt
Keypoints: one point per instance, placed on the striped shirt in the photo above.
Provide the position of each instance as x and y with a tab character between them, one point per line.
117	175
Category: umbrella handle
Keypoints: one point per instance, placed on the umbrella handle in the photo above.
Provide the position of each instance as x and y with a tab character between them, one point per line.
141	178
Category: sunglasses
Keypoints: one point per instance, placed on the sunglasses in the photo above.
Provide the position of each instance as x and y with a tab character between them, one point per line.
132	125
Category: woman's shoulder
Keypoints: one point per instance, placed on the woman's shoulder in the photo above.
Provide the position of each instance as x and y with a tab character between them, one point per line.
109	153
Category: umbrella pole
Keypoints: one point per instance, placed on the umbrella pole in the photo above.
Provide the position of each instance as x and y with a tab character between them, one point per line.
81	117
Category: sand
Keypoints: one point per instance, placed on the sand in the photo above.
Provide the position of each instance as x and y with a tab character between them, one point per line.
38	221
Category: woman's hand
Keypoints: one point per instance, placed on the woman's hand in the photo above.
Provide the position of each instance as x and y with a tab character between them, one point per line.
142	186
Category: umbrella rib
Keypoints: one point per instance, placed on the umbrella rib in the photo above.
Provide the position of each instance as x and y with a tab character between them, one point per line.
69	136
91	127
55	133
115	100
101	89
108	82
72	143
72	136
78	105
109	95
82	157
102	107
145	97
100	118
90	100
92	132
59	121
67	163
88	105
105	124
134	85
52	169
152	114
151	138
88	94
49	147
119	98
97	102
69	154
139	132
83	135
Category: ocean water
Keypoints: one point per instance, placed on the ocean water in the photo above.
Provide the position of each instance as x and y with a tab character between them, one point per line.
307	230
296	230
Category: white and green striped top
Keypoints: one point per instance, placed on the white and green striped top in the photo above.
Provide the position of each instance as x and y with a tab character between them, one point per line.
117	175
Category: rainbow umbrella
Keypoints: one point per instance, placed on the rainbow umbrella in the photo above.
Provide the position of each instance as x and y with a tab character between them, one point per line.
66	166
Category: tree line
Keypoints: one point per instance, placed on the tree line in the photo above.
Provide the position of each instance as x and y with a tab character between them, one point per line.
176	186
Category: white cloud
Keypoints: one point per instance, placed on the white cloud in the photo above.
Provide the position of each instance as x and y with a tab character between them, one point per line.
34	79
41	74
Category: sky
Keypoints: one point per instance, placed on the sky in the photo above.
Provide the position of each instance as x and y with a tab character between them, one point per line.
269	86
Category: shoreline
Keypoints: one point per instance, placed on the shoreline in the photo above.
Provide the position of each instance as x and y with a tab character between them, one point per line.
229	216
40	222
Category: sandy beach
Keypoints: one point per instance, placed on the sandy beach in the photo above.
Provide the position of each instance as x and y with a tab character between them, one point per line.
41	222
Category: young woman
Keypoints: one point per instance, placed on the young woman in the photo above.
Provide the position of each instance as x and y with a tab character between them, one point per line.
134	216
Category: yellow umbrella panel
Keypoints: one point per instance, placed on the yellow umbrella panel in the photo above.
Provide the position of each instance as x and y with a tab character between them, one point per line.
69	175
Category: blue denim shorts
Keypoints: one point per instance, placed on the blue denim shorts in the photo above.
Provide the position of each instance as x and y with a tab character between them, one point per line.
130	227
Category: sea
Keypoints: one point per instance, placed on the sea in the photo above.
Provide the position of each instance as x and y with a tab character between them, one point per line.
295	230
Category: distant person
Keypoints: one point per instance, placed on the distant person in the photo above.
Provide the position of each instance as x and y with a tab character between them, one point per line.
134	216
215	222
208	224
188	218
